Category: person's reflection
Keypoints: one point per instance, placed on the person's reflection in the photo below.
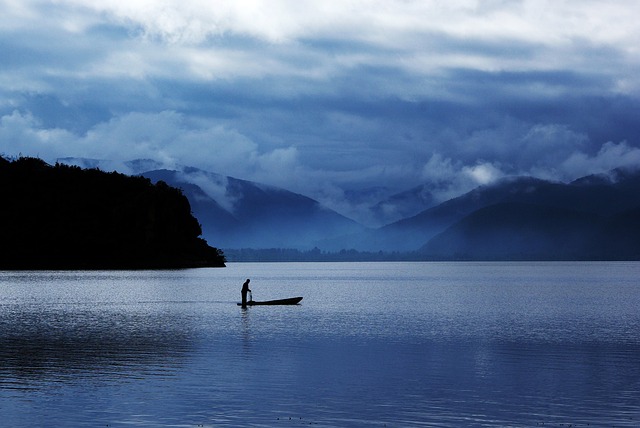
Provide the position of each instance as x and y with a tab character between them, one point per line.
246	330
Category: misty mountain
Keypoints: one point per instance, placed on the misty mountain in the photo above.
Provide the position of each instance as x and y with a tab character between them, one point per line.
514	218
514	231
404	204
237	213
517	231
607	196
412	233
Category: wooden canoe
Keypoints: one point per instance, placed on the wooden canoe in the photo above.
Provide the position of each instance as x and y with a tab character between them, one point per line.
289	301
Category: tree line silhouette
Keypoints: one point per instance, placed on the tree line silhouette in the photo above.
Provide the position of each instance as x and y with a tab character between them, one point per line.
65	217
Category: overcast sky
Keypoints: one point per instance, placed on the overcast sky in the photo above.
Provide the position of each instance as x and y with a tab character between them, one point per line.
320	96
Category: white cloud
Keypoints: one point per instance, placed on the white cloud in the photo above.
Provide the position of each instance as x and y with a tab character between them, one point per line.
611	155
440	169
519	146
166	137
168	36
24	134
483	173
448	178
215	186
544	144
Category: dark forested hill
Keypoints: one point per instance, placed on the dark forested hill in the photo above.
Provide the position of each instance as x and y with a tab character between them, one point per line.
65	217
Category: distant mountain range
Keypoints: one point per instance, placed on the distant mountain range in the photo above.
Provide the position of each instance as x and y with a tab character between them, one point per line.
237	213
595	217
404	204
241	214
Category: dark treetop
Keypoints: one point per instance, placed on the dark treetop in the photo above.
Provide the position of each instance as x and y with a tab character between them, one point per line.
65	217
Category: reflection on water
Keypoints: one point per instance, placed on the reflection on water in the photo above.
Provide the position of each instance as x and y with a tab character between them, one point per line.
58	345
396	344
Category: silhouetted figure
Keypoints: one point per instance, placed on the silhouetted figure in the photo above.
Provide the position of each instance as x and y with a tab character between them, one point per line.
245	289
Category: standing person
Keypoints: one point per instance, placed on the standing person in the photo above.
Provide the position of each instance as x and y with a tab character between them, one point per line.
245	289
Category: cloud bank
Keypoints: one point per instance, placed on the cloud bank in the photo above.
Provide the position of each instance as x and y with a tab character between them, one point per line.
326	98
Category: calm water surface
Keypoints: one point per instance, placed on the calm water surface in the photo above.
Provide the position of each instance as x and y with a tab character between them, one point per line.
372	344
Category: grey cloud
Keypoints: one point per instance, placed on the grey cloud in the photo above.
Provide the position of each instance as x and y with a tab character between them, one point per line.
610	156
215	186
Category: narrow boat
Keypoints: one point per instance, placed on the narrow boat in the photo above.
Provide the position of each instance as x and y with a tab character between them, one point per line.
289	301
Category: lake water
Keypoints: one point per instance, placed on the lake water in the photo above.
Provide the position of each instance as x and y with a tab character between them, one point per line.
372	344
